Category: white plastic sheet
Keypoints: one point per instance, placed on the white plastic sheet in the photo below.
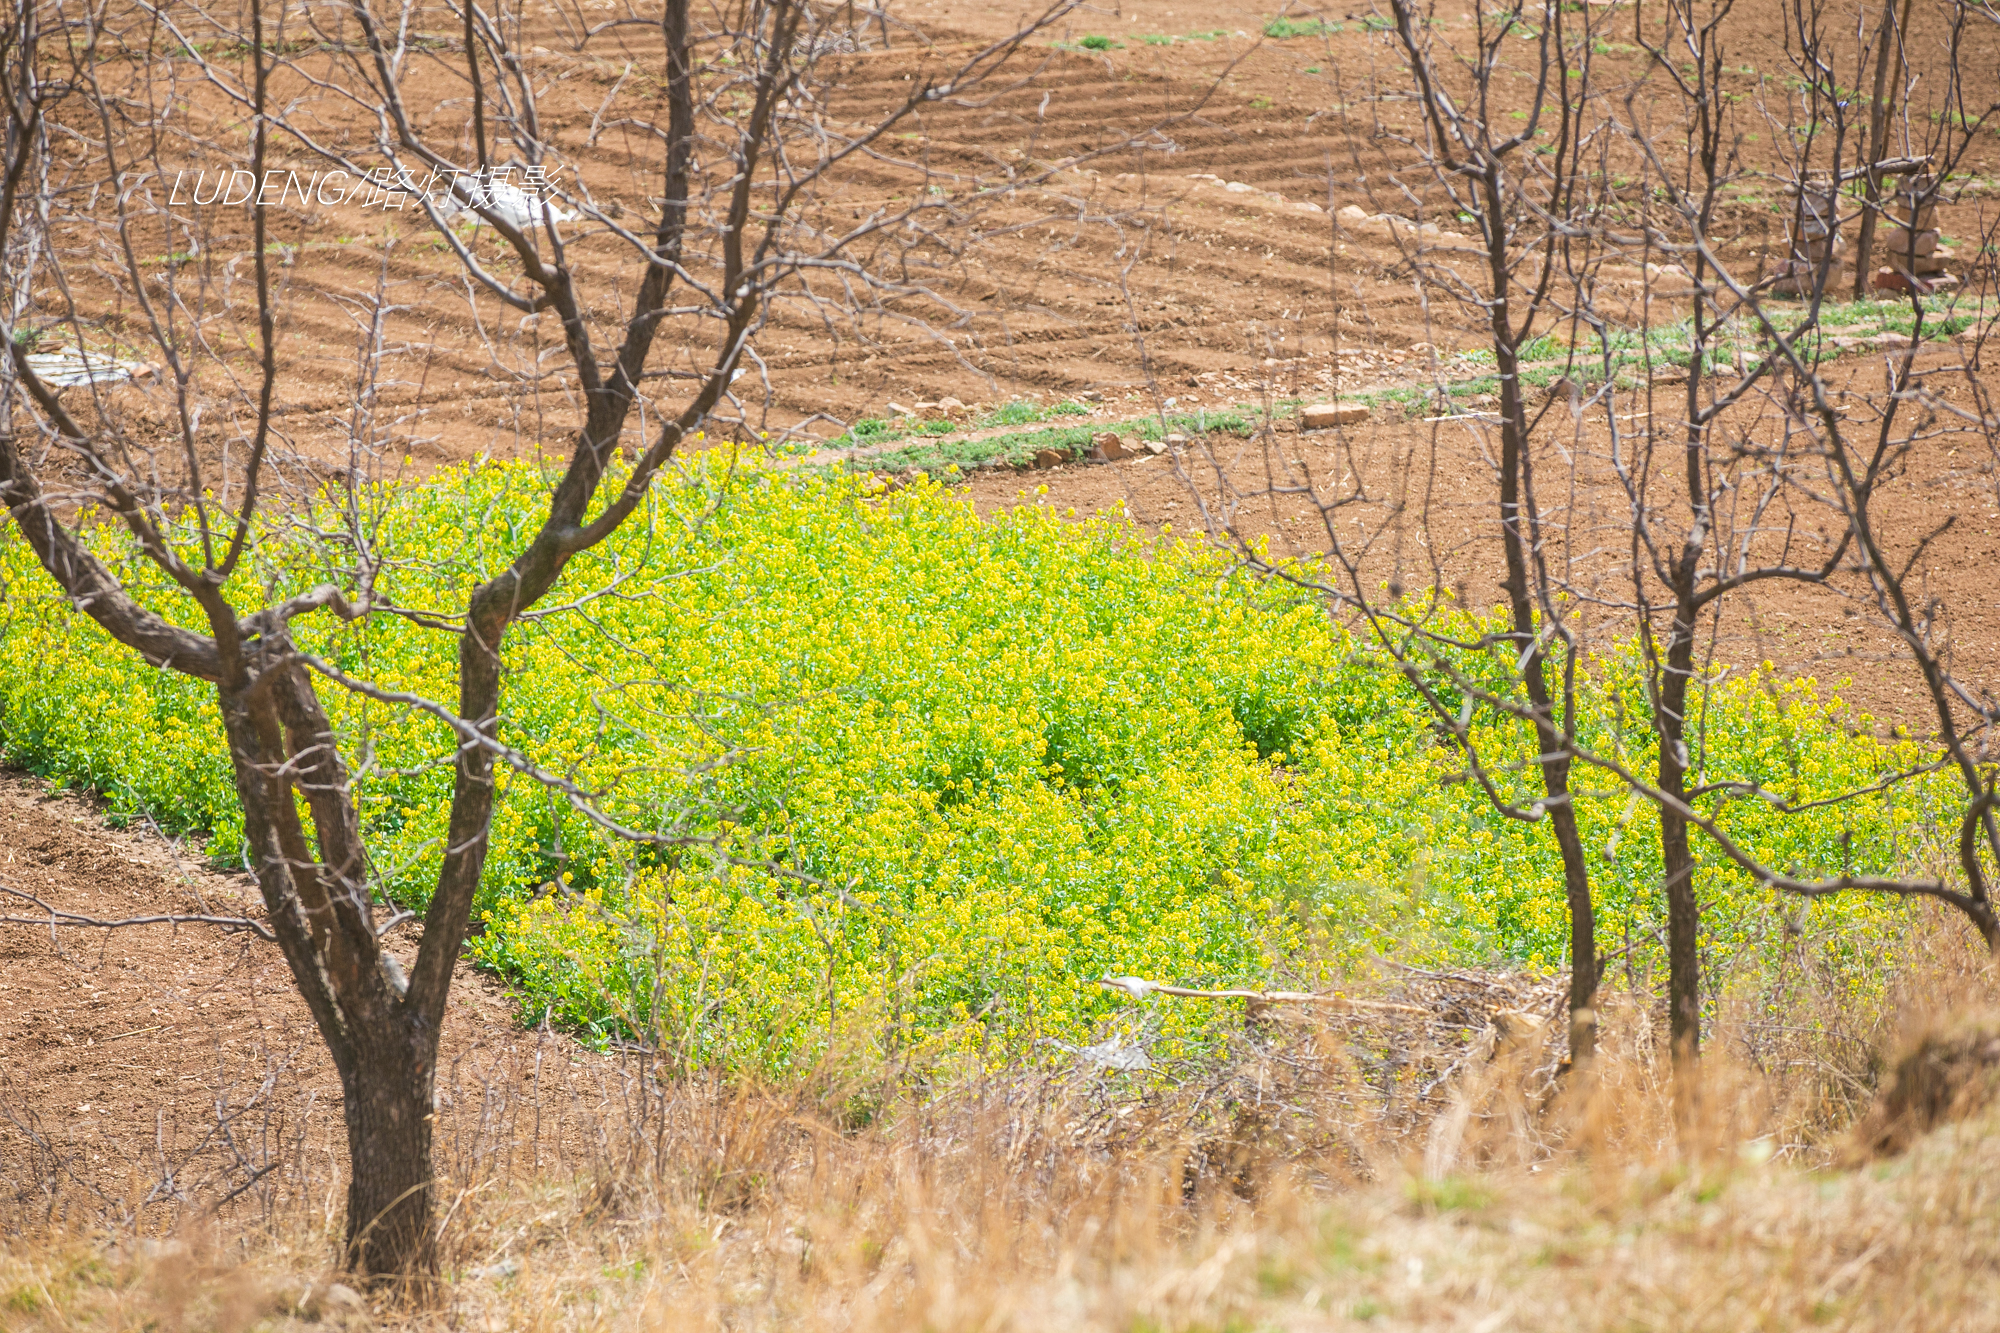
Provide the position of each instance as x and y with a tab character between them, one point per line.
69	367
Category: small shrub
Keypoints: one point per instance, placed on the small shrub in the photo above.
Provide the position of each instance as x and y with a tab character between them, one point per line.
1016	413
1282	29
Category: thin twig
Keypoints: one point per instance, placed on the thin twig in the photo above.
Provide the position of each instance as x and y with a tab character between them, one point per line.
57	917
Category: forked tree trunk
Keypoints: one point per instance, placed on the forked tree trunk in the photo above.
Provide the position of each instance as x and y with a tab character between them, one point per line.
381	1033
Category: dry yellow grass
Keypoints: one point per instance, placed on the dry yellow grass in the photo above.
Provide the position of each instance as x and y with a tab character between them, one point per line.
1275	1194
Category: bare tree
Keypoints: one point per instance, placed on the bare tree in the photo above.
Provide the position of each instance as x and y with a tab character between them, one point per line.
1774	484
1743	517
1530	199
1529	191
1741	468
1777	464
745	152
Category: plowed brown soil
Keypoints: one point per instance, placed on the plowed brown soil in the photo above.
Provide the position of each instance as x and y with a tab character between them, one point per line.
1187	257
161	1073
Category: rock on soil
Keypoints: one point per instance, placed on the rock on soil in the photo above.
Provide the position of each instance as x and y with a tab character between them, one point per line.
1323	416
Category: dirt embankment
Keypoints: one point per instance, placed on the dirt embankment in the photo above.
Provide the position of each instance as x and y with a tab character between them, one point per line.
158	1070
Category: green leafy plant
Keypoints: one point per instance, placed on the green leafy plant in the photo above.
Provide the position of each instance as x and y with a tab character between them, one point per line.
1282	28
961	766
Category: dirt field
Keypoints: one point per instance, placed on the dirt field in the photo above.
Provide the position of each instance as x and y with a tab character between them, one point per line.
161	1073
1186	254
1205	271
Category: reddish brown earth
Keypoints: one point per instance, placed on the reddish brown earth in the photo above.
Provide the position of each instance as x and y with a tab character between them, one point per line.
1184	248
156	1071
1138	276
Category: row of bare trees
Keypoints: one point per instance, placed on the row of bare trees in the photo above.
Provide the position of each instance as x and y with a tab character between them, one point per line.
1701	444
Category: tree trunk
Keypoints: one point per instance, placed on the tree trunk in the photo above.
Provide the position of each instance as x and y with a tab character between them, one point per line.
1880	108
390	1108
1683	916
314	885
1583	968
1550	736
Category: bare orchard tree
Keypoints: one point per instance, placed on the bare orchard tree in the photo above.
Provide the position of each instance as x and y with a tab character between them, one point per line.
1531	198
1846	433
1530	190
1779	452
741	139
1720	500
1774	478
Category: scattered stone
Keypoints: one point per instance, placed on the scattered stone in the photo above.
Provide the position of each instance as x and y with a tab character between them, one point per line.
1813	242
1322	416
1048	458
1928	265
1890	280
1889	340
949	408
335	1302
1914	203
1108	448
1091	396
1901	243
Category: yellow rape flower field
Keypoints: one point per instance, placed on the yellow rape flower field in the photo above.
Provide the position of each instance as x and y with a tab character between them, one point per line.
912	779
